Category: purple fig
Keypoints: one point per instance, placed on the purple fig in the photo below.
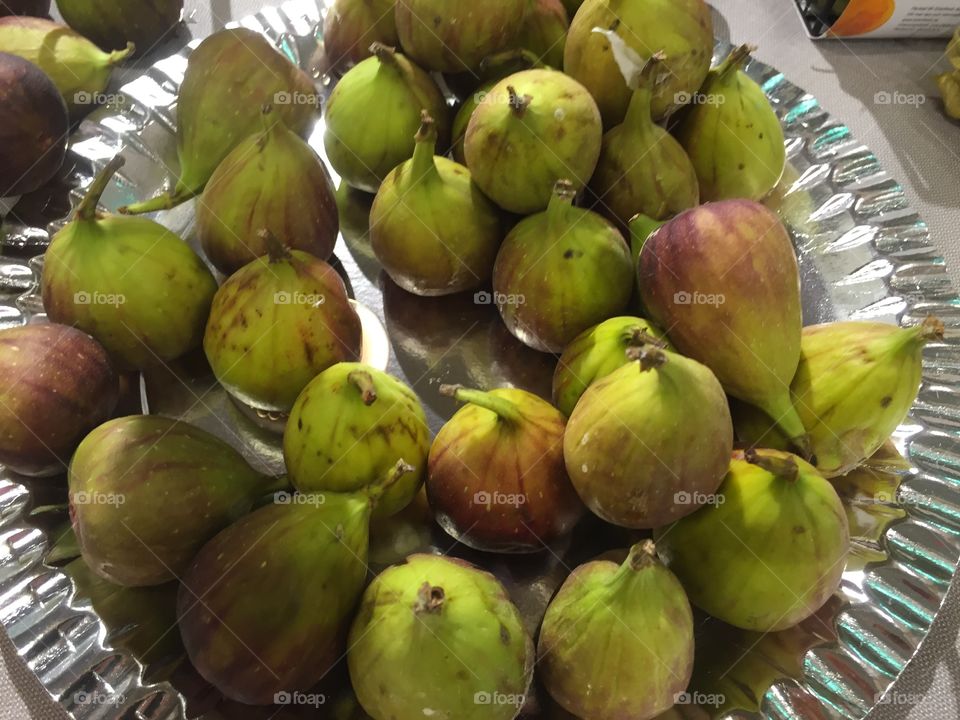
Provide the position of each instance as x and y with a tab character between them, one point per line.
34	8
350	27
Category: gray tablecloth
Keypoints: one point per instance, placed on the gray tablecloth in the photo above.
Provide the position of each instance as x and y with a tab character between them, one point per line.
916	143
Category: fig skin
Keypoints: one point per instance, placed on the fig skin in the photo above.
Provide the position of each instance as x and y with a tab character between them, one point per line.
617	640
681	29
56	384
234	68
34	127
497	481
456	37
650	442
129	282
147	492
145	23
771	553
597	352
34	8
560	272
544	31
349	426
250	191
352	26
439	633
431	228
733	137
363	141
522	116
740	252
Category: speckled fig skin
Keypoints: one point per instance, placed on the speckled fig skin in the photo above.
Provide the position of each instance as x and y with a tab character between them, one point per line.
739	251
439	633
275	324
147	492
631	622
648	443
544	31
771	553
532	129
56	384
250	191
350	27
456	37
560	272
145	23
497	480
349	427
681	29
34	8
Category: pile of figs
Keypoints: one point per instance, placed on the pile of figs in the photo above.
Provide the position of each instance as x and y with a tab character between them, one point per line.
580	164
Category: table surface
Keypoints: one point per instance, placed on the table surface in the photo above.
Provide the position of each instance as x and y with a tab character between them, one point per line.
916	144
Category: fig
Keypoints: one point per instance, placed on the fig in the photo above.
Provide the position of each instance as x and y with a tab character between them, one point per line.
349	426
145	23
560	272
681	29
497	481
456	37
34	127
80	70
147	492
56	384
651	441
642	169
131	283
364	143
597	352
732	135
617	640
532	129
641	227
247	639
544	31
350	27
276	323
855	384
250	190
443	636
770	552
723	278
34	8
432	229
239	69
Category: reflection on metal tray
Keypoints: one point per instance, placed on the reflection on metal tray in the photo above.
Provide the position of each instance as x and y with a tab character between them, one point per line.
863	254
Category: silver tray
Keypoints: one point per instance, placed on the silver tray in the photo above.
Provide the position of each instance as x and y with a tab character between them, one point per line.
863	254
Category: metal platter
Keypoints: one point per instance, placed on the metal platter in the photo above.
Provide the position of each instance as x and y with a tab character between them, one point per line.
864	254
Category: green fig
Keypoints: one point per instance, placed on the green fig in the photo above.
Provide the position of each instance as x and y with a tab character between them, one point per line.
650	442
349	426
147	492
532	129
641	227
456	37
855	384
56	384
264	607
497	481
239	69
145	23
544	31
770	552
642	169
597	352
724	279
732	135
617	640
753	428
250	190
681	29
432	229
79	69
131	283
373	115
560	272
34	8
350	27
445	639
34	127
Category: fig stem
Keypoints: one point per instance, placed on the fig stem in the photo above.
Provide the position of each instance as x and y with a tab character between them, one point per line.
932	328
378	489
118	56
638	336
783	468
276	250
430	600
384	53
735	60
363	381
87	209
518	104
643	554
505	409
165	201
650	357
425	149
